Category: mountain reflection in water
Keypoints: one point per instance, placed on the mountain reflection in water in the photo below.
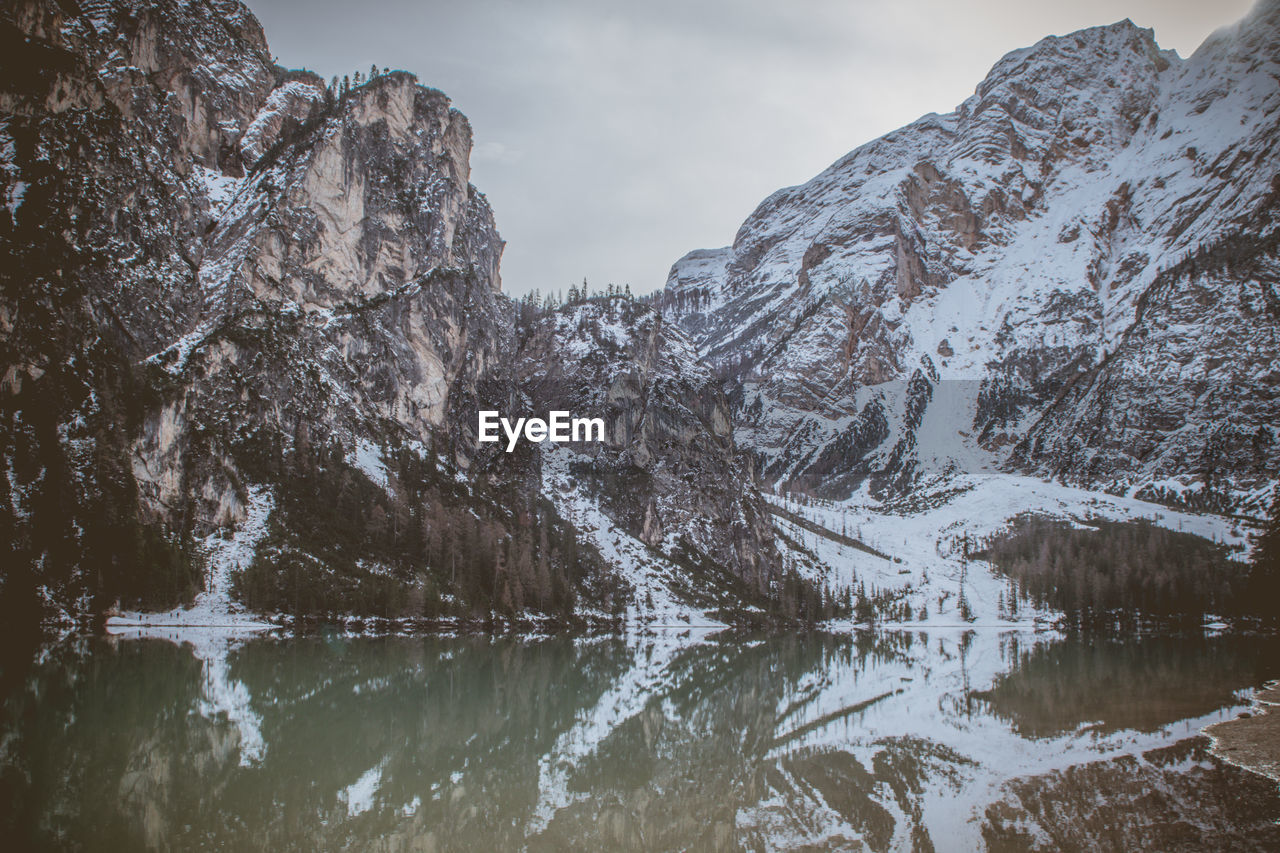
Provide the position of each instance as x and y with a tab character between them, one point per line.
882	741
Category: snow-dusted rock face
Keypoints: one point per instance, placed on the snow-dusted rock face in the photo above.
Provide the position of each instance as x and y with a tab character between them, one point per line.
225	285
336	236
203	69
1079	262
667	472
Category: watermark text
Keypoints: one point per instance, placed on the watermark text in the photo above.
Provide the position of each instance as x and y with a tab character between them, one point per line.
558	427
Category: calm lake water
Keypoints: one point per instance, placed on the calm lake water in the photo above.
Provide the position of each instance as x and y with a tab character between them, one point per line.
888	741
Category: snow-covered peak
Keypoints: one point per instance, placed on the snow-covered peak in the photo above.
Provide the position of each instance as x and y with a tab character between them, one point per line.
1019	243
1096	52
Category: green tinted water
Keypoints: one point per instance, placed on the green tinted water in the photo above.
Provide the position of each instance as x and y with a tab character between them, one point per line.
938	741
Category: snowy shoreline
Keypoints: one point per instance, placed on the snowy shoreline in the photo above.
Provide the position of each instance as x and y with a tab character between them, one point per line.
1252	742
214	608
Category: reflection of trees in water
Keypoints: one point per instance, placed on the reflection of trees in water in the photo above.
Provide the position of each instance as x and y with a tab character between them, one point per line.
676	774
95	756
436	743
871	797
1138	682
111	751
114	751
447	732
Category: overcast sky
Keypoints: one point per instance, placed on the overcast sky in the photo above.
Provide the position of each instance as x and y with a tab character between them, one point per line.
612	137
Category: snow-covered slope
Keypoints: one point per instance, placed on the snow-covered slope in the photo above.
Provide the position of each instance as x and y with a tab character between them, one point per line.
657	585
225	557
919	571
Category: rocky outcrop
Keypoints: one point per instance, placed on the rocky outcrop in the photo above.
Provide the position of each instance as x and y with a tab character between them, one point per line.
1081	254
360	250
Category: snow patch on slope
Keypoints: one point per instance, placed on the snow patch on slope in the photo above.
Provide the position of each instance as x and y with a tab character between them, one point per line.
367	457
219	188
648	572
226	557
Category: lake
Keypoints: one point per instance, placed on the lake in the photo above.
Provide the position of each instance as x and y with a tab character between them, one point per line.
940	740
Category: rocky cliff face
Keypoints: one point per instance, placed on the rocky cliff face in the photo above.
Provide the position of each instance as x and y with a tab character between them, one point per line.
221	269
228	274
366	261
232	291
1072	274
668	472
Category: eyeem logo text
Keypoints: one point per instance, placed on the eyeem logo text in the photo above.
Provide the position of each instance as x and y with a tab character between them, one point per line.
559	427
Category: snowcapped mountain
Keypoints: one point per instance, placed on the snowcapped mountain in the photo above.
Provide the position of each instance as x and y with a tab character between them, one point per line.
249	319
1074	274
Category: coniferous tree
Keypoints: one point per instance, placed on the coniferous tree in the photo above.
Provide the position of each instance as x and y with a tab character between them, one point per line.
542	577
1264	574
